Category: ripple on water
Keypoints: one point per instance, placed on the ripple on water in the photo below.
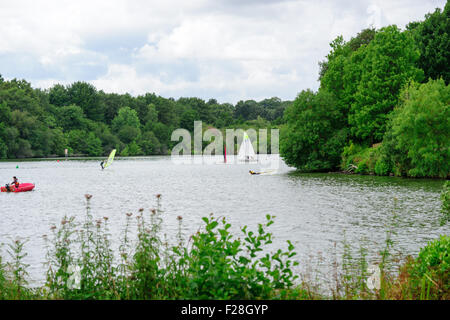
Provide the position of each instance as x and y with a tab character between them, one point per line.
315	211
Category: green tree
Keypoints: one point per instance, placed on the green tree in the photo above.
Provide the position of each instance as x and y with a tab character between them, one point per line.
187	119
11	139
433	40
247	110
222	114
132	149
71	117
163	134
340	73
41	141
202	110
390	62
24	149
3	149
126	124
149	143
418	140
112	103
151	116
76	140
85	95
166	111
93	145
58	95
109	140
127	134
125	117
315	134
5	113
19	95
59	142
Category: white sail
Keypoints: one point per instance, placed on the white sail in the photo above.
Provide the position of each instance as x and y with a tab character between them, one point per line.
246	152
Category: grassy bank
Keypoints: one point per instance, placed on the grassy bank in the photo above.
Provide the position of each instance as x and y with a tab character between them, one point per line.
211	264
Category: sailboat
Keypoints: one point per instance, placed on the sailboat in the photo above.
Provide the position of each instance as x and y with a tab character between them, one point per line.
246	152
110	159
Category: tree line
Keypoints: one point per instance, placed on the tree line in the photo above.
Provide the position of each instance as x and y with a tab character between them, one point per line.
87	121
383	105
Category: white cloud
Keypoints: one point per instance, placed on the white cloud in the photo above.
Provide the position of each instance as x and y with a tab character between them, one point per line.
229	50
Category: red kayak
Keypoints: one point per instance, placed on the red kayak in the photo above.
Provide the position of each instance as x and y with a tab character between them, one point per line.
22	188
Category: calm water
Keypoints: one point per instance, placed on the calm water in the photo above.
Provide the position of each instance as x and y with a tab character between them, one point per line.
314	211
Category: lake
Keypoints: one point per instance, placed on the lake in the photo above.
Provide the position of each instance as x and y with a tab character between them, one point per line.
315	211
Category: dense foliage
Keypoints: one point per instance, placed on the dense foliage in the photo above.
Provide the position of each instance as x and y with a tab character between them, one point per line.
42	123
433	39
429	276
417	143
389	98
314	134
388	63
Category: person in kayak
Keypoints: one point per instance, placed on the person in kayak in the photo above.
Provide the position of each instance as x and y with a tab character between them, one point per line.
253	172
15	182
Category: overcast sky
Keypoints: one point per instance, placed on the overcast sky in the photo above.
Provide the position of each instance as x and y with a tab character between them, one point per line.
229	50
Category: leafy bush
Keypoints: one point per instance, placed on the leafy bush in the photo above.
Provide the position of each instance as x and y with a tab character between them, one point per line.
417	143
430	272
214	264
361	159
222	267
382	167
314	135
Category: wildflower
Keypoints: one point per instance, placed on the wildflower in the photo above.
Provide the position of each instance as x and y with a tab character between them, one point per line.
180	218
129	214
53	227
105	218
153	211
141	209
158	195
88	196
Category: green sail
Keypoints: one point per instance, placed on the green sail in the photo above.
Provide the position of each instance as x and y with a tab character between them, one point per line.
110	159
